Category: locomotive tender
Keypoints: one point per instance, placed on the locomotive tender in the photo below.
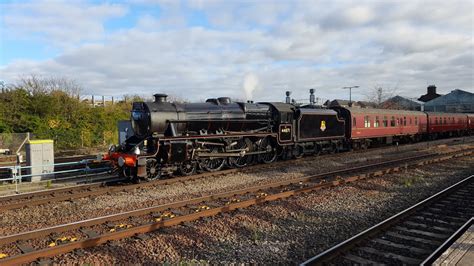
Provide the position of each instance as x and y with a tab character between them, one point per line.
189	137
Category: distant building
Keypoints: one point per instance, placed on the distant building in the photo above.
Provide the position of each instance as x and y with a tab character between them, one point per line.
340	103
365	104
430	95
401	103
457	101
346	103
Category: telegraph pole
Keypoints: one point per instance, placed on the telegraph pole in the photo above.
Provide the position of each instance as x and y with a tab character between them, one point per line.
350	93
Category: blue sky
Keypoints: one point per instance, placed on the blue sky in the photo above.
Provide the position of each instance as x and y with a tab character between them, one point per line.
245	49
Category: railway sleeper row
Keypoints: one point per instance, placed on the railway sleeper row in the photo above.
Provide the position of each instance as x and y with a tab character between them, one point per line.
29	246
95	189
409	237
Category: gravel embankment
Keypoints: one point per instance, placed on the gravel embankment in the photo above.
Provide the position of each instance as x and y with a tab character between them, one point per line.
284	232
35	217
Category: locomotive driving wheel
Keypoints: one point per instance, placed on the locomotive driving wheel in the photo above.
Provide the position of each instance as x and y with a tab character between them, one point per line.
187	168
270	154
152	169
213	164
243	160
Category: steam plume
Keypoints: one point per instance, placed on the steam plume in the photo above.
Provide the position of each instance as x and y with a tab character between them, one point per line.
251	84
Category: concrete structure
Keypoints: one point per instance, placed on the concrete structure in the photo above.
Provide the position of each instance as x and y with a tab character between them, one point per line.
430	95
401	103
457	101
461	252
125	130
39	159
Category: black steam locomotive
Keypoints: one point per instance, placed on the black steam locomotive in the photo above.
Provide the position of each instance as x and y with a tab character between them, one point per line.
189	137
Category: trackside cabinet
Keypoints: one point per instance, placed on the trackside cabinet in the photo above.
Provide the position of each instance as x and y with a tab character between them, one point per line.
39	159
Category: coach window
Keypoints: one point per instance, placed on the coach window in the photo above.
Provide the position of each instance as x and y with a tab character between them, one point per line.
354	122
444	120
366	121
404	120
392	121
385	121
376	121
410	121
416	120
436	120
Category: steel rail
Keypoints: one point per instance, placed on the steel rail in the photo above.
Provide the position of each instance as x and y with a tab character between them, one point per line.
439	251
304	184
339	249
96	189
73	192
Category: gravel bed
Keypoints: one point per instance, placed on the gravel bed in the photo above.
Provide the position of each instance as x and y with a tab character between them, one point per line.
35	217
284	232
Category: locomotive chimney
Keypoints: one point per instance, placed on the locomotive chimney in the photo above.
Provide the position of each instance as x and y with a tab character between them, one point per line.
160	97
288	99
311	96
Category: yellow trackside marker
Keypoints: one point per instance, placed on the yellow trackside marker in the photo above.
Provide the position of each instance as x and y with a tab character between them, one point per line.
120	226
202	207
52	244
232	201
3	255
73	239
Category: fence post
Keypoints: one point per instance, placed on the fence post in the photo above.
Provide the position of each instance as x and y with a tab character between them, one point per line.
87	171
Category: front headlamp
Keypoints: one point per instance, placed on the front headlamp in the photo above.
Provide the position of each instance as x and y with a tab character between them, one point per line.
121	161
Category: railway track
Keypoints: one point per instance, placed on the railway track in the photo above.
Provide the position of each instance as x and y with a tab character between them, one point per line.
410	236
100	188
5	173
100	185
47	242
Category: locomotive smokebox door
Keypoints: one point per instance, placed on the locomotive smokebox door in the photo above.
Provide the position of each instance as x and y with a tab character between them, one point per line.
178	151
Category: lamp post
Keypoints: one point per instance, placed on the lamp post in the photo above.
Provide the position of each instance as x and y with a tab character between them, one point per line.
350	93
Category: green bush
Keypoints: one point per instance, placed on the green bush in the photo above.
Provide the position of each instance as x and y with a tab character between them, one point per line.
54	112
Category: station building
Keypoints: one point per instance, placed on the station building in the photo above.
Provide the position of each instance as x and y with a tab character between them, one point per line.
457	101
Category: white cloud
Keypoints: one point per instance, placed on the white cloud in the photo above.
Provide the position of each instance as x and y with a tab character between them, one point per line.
307	44
56	22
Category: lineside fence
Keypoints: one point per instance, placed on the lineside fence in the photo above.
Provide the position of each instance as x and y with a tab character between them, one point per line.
17	174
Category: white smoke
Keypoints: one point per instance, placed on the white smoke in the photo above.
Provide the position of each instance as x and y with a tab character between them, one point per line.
251	84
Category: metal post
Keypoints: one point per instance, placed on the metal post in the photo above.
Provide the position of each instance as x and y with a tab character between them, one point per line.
350	93
87	172
350	96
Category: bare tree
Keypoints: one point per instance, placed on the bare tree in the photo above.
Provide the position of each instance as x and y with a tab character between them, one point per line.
37	85
379	94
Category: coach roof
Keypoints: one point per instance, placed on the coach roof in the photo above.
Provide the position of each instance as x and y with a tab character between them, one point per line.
373	111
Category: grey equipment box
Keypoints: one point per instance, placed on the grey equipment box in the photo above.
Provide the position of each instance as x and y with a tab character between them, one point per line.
39	159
